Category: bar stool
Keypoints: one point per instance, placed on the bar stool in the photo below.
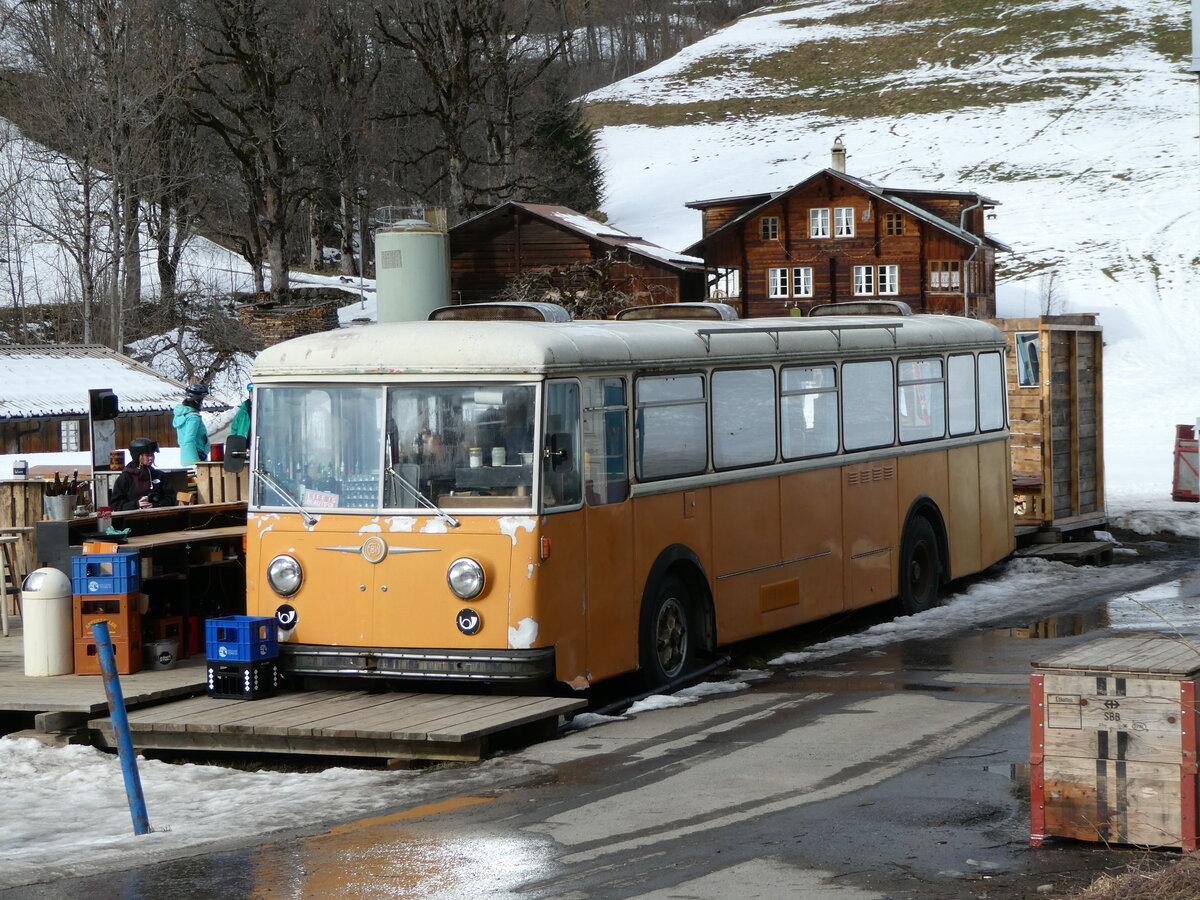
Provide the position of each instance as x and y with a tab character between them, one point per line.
9	548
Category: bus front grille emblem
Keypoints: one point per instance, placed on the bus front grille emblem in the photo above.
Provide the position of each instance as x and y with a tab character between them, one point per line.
374	549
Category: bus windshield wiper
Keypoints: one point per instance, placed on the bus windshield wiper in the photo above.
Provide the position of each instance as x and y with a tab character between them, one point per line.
309	519
425	501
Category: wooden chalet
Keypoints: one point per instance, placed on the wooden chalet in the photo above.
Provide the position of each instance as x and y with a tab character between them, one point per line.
45	405
833	238
512	239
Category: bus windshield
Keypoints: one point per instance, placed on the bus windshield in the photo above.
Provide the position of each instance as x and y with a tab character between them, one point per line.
372	447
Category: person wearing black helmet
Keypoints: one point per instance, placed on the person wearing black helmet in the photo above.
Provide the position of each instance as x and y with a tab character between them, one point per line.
189	427
140	485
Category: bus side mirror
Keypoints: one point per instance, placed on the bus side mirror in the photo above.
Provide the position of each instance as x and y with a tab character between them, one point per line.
558	450
236	453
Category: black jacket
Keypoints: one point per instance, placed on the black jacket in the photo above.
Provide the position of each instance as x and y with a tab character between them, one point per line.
136	482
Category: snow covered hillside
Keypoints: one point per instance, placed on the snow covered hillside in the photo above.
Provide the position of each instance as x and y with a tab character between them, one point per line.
1079	116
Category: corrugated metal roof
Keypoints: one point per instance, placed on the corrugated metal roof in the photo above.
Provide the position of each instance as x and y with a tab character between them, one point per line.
54	380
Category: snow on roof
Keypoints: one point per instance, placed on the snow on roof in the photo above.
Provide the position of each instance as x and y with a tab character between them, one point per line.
54	380
598	231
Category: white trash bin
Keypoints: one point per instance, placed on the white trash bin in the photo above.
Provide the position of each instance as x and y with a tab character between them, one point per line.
46	622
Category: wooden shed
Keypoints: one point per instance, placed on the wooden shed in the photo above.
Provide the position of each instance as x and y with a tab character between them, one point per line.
1056	415
492	249
45	407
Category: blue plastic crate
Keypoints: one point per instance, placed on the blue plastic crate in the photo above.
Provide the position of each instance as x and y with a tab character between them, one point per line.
243	680
105	573
241	639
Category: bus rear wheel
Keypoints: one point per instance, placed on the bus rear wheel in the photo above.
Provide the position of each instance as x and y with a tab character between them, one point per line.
920	568
668	634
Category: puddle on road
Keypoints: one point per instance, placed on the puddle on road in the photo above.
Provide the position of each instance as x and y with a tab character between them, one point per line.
1163	607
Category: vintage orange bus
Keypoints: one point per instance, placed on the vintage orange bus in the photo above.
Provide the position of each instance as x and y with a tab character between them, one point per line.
509	501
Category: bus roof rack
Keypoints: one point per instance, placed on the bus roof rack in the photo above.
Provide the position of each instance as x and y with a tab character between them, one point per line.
863	308
699	310
510	311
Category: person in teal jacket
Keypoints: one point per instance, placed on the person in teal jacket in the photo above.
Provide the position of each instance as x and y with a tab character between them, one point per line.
190	428
241	418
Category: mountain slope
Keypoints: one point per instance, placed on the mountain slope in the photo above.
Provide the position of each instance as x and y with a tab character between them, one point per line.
1079	117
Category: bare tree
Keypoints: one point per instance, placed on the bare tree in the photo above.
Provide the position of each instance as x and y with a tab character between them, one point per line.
248	66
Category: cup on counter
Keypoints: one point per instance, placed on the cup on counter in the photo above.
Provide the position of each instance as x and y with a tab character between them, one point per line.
475	455
498	456
527	459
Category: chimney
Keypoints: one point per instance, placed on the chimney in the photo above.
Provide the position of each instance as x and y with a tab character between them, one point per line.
839	155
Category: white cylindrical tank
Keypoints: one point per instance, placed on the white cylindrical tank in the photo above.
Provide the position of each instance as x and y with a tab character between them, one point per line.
412	270
46	621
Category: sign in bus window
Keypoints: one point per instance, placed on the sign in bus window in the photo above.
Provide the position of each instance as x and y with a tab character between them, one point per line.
670	432
743	417
961	389
991	392
868	407
604	441
921	397
322	447
809	409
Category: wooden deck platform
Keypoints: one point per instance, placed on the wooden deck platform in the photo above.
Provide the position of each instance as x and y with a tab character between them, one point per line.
61	701
346	723
169	710
1090	553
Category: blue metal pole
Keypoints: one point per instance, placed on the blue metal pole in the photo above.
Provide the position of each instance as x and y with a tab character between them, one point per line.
116	708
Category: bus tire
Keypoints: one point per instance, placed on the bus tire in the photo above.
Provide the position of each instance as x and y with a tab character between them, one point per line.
668	633
920	567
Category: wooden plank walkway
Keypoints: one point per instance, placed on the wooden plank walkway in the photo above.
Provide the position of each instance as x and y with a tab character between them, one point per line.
345	723
82	696
169	710
1093	553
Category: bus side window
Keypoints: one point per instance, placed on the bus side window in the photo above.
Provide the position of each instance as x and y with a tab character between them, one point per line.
604	441
561	476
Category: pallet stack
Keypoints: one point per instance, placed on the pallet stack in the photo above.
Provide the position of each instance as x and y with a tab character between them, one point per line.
243	655
105	588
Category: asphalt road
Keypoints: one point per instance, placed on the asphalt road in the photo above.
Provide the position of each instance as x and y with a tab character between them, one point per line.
880	774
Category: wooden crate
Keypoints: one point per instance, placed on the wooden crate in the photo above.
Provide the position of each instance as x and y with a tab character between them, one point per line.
1056	422
1113	743
215	485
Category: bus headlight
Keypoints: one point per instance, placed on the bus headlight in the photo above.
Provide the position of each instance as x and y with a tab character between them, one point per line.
465	577
284	575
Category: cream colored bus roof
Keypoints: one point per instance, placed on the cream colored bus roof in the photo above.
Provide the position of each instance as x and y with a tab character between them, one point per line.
408	348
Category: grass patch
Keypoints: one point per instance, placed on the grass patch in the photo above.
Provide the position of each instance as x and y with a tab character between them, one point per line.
854	77
1148	879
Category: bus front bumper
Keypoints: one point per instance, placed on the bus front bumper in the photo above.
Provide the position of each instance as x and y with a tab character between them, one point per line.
441	665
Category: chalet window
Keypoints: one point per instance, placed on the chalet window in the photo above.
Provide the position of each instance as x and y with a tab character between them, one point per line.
864	280
777	282
68	433
802	282
889	279
769	228
945	275
893	223
843	221
818	223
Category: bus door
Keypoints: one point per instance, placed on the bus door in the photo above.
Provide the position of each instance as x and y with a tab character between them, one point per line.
612	598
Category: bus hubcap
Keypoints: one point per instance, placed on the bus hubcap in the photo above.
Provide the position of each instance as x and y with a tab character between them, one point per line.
671	636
